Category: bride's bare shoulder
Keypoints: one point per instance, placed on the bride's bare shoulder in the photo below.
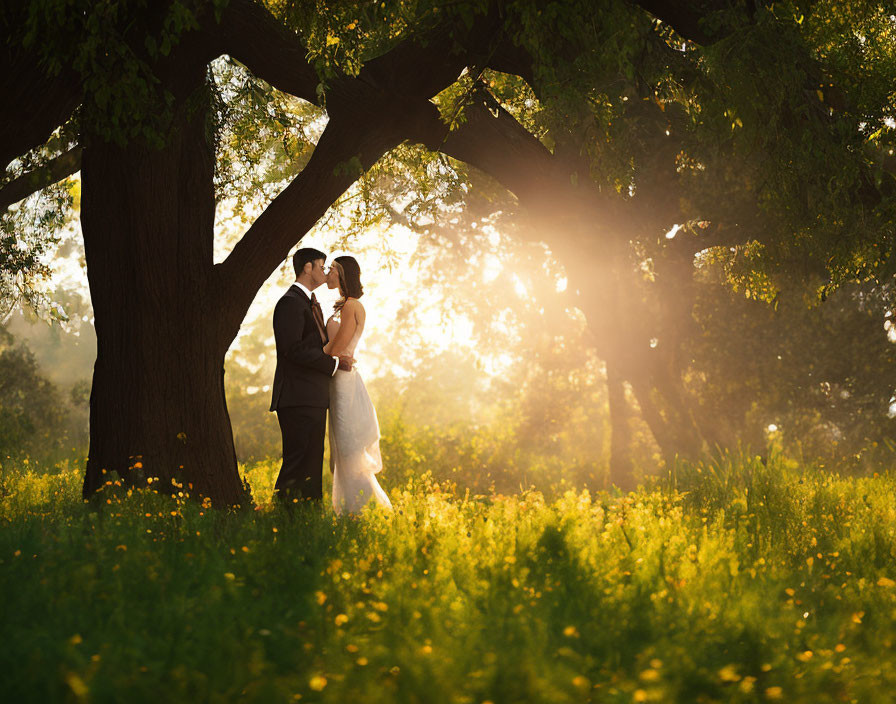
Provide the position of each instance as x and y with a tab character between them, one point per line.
354	307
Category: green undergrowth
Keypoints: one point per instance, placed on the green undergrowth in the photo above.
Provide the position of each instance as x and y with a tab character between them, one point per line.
736	581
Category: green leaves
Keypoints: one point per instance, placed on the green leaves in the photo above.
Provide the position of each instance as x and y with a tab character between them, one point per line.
264	137
114	48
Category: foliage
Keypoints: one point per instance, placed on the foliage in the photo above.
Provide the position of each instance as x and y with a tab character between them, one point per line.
264	137
29	234
504	456
341	34
37	418
821	376
21	266
437	422
115	56
781	126
745	584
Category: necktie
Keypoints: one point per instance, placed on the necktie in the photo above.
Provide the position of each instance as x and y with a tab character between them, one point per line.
318	316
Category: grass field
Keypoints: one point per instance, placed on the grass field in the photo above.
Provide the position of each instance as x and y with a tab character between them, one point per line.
745	583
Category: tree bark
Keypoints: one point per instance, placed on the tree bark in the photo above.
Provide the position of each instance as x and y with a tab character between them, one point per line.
157	407
684	17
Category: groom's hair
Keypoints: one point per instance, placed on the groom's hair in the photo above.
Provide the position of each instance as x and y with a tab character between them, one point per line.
305	255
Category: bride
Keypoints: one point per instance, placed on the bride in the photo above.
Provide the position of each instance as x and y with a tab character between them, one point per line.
354	430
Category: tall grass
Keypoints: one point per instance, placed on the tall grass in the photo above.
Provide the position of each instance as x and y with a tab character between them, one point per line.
740	582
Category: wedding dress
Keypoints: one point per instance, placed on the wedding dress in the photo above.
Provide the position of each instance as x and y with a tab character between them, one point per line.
354	437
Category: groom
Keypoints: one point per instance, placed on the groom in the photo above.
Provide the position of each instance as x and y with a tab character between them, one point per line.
302	380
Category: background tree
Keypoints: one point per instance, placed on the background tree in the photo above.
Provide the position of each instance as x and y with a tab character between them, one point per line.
38	419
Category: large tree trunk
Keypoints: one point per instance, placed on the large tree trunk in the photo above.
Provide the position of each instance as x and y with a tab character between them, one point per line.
157	408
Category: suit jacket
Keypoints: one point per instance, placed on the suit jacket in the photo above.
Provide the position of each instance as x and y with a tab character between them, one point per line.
303	370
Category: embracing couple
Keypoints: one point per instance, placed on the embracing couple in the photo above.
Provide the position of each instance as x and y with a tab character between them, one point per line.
315	371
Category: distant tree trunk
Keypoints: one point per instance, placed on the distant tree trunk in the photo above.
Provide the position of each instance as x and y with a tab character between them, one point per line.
655	421
621	465
157	407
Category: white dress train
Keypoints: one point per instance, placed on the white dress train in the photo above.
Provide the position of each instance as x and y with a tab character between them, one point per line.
354	444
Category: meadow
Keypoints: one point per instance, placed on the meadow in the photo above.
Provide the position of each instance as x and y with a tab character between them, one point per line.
731	581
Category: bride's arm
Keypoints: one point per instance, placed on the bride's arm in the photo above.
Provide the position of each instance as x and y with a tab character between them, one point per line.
347	327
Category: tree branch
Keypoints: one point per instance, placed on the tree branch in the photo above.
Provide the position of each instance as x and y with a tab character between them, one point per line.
347	147
495	143
418	66
491	140
423	67
683	17
251	34
33	104
54	170
369	115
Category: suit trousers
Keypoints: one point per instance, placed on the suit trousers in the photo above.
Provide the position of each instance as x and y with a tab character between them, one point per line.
303	429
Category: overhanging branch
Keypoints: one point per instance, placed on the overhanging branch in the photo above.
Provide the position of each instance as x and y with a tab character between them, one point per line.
369	115
34	104
684	17
346	148
54	170
251	34
490	139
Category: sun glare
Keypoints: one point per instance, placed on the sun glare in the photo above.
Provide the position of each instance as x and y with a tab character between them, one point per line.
497	365
674	231
491	270
393	289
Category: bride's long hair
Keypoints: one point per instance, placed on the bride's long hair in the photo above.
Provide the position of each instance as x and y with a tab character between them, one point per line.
349	280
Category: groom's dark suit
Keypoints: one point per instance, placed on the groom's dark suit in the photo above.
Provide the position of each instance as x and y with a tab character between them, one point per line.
301	396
